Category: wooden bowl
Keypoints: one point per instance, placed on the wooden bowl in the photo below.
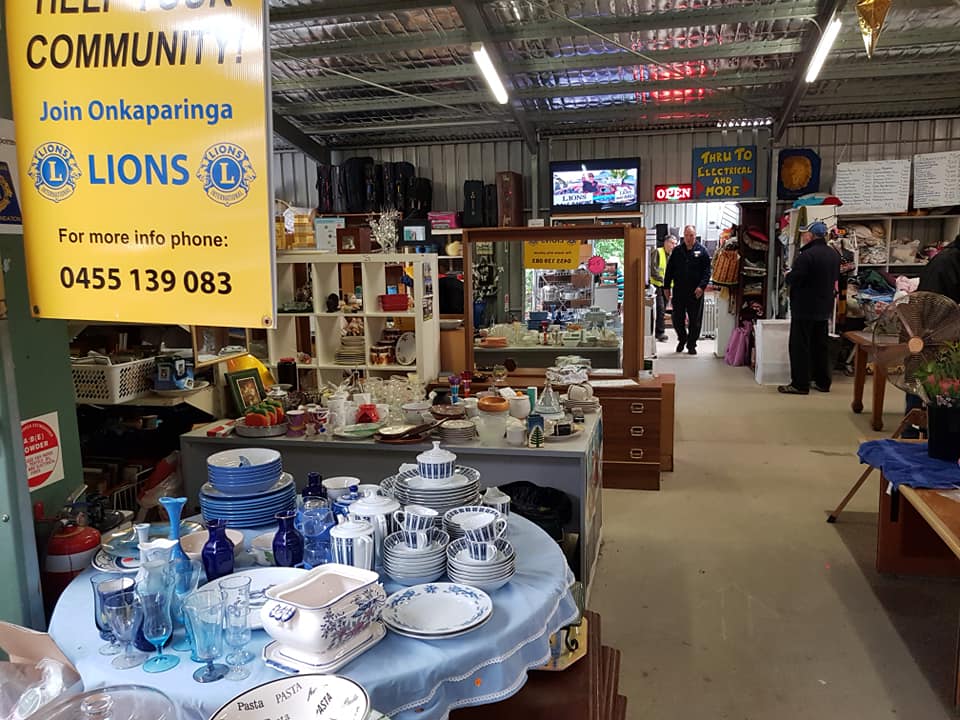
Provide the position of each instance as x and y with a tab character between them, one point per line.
493	404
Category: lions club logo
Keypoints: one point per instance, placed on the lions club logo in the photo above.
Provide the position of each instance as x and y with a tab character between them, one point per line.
54	171
226	173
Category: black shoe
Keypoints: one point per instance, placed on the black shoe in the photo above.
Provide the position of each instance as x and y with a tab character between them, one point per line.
681	346
662	337
820	388
791	390
692	351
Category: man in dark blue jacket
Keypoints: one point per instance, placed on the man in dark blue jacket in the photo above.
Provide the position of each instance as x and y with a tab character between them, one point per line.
813	290
687	276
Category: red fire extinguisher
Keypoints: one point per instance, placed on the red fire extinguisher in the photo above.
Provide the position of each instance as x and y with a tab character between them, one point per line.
70	551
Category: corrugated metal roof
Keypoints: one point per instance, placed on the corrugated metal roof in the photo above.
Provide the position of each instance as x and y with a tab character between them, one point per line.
372	71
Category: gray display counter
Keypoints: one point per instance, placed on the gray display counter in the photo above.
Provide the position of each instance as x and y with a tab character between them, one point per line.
544	356
573	466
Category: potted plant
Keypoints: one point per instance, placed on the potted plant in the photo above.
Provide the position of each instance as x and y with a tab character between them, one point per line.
940	380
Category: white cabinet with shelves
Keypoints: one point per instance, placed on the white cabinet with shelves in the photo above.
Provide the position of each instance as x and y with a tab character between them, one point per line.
316	335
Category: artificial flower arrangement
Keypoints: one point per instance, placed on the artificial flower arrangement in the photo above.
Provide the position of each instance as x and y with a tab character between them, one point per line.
940	378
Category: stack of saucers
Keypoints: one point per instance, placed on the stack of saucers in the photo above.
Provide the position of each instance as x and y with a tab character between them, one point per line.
489	574
351	351
585	406
409	565
456	432
458	520
409	488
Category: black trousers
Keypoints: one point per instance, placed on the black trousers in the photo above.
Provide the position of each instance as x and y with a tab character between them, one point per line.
687	305
809	356
661	324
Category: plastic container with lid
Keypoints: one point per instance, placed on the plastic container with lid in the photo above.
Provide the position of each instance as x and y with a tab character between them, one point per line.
436	464
120	702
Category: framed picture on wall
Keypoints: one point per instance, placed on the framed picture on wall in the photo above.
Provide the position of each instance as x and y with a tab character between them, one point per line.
245	388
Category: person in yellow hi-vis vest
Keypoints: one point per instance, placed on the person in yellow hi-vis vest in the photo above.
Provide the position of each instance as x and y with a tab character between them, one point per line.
658	270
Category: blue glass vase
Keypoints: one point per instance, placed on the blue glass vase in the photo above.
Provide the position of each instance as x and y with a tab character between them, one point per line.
174	508
217	553
314	487
287	543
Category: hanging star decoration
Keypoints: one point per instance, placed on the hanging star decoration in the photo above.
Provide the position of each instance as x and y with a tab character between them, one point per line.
870	16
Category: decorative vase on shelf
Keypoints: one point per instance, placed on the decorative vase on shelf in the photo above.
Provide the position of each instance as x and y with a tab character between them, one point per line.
217	553
174	508
287	543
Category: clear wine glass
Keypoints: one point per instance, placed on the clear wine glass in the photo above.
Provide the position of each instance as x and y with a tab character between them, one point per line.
204	610
104	585
187	579
158	626
236	624
124	614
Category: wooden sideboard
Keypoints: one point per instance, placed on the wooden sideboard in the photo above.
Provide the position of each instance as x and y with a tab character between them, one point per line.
638	429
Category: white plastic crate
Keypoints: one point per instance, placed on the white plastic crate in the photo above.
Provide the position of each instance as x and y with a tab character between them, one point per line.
773	352
112	384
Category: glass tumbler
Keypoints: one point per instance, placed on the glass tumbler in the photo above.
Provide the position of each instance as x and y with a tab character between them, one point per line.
104	585
205	614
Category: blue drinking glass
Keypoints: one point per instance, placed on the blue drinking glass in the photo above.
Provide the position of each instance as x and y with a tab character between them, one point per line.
205	613
187	579
157	626
124	613
104	585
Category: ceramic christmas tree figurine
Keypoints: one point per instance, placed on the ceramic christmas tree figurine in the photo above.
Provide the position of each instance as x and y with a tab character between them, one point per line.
536	437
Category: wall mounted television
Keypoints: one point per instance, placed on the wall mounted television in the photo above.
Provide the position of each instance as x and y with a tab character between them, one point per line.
609	185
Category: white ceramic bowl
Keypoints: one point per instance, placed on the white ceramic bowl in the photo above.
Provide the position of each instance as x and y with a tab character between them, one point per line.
339	486
193	543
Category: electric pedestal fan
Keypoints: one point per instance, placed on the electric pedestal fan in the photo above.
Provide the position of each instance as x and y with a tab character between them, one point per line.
910	333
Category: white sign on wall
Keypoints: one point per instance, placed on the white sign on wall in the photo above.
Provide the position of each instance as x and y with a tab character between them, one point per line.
42	450
877	187
936	179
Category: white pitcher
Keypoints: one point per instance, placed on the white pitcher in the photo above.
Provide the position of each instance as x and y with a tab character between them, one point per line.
351	543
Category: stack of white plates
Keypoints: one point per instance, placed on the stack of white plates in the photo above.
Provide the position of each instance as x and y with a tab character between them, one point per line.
352	351
408	488
489	575
409	566
455	432
455	520
435	611
587	406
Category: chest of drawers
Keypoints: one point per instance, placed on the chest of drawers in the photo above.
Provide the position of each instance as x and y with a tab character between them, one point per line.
638	423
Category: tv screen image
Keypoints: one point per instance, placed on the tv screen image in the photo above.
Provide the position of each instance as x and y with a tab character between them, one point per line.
596	185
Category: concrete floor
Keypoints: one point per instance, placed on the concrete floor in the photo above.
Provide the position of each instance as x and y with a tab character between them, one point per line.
731	597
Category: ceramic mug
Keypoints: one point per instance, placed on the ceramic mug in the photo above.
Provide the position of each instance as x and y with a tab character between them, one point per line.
415	521
482	551
488	532
516	435
296	423
470	406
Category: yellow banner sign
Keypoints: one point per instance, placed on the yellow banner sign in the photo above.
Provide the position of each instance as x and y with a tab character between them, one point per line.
144	154
551	254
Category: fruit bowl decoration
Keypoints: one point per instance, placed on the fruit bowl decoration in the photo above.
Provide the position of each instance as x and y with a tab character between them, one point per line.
265	419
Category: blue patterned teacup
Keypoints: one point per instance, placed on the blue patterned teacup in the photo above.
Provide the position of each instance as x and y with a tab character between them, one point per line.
487	532
482	551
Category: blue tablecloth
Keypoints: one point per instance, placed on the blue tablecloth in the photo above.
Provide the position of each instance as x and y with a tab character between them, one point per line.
908	464
406	678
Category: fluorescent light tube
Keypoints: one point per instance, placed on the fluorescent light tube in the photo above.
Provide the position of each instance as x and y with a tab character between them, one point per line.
827	39
490	74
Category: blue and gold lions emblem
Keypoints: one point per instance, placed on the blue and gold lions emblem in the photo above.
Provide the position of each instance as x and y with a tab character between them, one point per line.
54	171
226	173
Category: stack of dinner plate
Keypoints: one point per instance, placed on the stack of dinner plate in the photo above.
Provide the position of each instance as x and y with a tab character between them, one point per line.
244	471
413	566
586	406
249	511
437	610
489	575
408	488
456	432
352	351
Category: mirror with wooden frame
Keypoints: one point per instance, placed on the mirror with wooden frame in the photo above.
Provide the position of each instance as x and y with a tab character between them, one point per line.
537	295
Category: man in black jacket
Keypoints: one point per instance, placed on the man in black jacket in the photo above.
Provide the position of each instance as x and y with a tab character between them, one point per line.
687	276
942	273
813	290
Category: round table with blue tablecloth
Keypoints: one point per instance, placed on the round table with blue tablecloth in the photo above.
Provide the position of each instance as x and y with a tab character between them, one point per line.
406	678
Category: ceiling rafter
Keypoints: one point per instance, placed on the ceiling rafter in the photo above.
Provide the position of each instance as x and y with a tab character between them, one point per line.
347	8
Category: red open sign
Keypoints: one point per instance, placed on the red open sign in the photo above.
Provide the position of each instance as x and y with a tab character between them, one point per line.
673	193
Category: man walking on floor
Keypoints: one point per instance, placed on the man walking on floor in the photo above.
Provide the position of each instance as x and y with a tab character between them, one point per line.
658	270
687	276
813	289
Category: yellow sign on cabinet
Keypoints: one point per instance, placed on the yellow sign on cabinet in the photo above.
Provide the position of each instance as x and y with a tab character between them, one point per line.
551	254
144	151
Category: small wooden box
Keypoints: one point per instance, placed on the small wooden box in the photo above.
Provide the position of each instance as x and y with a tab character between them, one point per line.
354	240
